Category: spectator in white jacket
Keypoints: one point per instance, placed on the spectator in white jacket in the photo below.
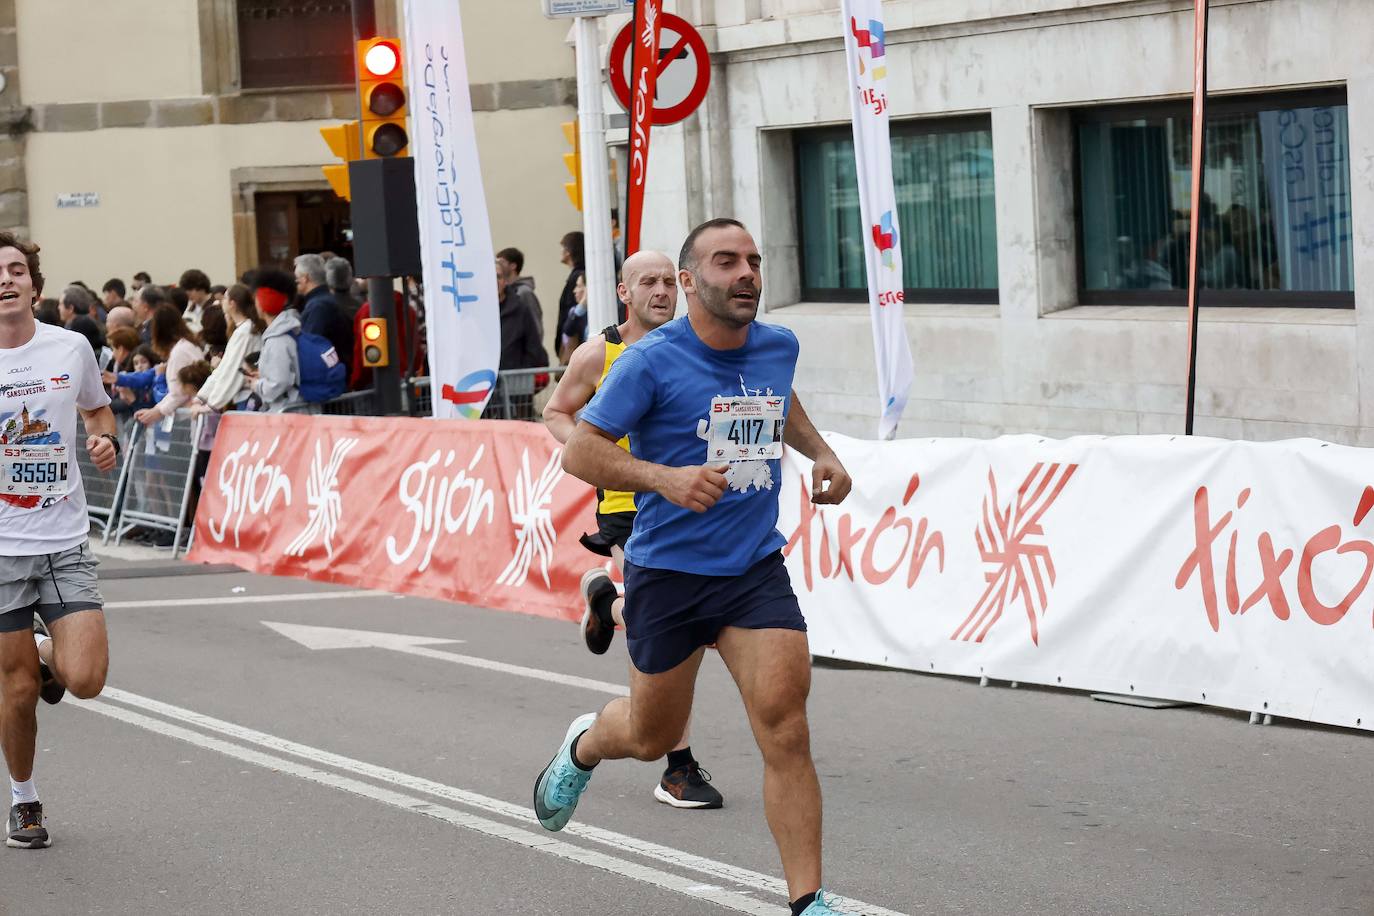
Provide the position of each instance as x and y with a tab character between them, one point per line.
228	384
179	347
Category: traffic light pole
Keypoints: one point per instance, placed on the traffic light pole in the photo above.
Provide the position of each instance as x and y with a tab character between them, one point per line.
596	180
386	380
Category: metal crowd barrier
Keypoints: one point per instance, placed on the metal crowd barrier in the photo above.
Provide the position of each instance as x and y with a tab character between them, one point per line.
104	490
352	404
514	398
154	489
417	397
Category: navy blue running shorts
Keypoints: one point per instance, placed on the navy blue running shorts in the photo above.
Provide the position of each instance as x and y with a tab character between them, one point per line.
669	615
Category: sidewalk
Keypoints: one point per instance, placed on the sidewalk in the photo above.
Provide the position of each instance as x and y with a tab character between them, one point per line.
132	561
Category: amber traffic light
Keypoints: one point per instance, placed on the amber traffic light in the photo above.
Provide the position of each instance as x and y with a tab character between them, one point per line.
376	352
382	98
343	143
573	162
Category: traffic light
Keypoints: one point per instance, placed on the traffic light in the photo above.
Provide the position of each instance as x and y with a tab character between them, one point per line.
343	142
573	161
382	98
376	352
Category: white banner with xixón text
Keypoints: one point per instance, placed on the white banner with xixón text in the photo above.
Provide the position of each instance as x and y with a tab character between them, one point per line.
1233	574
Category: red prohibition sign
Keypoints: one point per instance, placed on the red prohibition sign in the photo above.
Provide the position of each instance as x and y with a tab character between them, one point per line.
689	42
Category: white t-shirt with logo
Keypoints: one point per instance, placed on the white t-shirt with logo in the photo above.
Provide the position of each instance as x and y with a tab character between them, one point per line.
42	385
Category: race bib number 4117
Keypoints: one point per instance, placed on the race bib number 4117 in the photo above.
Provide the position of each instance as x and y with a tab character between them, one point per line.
746	429
33	470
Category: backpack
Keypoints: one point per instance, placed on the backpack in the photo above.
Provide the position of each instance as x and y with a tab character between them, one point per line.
323	375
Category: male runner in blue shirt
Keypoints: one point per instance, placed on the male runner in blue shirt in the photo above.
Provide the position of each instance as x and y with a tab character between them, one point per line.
707	404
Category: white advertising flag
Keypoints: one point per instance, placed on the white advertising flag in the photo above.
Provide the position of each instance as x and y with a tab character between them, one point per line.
867	58
462	313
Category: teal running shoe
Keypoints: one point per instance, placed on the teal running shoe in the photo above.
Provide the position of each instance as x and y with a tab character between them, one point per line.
820	908
562	782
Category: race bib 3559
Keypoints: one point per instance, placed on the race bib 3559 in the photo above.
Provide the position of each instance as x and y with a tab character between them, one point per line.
34	470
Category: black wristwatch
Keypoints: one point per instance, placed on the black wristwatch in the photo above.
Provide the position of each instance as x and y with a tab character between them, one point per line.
114	440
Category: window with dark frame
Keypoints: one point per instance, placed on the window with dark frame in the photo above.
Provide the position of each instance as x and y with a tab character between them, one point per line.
295	44
1276	216
947	227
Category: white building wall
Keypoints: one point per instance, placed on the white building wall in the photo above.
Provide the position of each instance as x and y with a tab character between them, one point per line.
104	51
166	201
1038	362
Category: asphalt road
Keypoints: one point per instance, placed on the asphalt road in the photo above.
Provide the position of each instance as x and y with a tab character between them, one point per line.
232	769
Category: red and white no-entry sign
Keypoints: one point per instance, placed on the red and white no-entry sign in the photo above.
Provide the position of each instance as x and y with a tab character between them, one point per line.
684	69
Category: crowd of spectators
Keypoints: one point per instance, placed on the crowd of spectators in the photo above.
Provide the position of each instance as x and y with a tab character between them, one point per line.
206	349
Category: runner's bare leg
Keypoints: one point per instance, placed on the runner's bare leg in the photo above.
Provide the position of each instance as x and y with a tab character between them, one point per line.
79	652
773	671
645	724
19	683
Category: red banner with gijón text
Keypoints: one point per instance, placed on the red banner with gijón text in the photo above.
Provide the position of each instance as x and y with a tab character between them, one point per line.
643	80
475	511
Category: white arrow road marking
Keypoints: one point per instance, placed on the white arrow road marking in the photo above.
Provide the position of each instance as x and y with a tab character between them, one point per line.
336	638
563	850
245	599
333	638
719	871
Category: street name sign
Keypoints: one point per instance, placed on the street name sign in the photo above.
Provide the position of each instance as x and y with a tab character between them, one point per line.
78	200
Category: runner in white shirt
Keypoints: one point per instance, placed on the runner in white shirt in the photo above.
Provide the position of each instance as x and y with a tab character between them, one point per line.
47	376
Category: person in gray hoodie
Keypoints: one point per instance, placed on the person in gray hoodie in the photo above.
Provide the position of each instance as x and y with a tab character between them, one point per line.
276	381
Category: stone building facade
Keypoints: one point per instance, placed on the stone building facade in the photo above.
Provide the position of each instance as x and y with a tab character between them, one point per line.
1050	310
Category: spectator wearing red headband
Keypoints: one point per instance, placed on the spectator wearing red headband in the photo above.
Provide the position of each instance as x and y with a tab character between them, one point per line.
276	381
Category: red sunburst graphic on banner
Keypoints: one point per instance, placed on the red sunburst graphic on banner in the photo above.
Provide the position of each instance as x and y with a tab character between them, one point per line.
1010	543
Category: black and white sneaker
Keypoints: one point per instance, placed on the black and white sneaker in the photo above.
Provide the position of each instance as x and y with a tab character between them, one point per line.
688	787
26	827
598	626
51	690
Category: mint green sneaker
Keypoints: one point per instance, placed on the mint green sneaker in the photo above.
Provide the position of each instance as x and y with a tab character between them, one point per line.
820	908
562	782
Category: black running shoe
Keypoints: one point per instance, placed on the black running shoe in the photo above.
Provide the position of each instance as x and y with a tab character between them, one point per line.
688	787
598	626
26	827
51	690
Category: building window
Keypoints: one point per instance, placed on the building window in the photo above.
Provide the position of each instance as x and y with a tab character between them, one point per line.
1276	222
295	44
942	172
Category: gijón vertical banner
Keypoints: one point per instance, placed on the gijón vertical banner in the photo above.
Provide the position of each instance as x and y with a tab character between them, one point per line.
462	313
643	80
866	54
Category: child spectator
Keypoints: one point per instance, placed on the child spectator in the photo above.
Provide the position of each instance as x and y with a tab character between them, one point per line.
136	387
193	378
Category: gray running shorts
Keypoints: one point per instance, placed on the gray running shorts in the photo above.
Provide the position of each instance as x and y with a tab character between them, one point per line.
53	585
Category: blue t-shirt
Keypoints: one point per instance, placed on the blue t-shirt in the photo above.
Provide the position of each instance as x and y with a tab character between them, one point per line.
659	394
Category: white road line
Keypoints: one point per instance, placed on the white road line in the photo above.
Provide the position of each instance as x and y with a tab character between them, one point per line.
563	850
538	674
667	855
244	599
332	639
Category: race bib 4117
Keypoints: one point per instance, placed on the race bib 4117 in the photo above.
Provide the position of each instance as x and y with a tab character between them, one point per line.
746	429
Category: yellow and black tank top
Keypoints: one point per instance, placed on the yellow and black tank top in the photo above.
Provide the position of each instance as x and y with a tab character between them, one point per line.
613	501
